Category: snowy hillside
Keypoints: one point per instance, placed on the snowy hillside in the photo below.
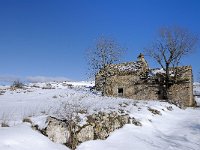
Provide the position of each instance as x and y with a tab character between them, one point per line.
170	129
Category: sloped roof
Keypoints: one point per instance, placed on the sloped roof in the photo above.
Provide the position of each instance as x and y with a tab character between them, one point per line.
127	67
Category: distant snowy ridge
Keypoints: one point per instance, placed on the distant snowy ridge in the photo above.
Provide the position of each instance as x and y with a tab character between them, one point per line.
46	79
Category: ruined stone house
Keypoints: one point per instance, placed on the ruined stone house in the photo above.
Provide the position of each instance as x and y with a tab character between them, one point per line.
135	80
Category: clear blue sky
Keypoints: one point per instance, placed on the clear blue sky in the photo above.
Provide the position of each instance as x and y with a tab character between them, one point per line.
49	37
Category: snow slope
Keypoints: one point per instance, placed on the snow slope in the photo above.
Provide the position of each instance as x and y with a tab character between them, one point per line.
172	130
178	130
22	137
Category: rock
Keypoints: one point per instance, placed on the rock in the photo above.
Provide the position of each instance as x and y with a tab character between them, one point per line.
125	119
135	122
116	124
100	132
169	108
97	126
86	133
154	111
57	131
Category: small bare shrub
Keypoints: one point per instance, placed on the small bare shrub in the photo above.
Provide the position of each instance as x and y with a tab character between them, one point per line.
17	85
3	124
4	120
27	120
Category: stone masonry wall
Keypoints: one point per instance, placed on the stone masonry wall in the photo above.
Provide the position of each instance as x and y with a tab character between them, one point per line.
132	86
97	126
182	91
136	87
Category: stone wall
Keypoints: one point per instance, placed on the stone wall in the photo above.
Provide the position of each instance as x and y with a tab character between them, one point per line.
136	69
182	91
138	85
133	87
97	126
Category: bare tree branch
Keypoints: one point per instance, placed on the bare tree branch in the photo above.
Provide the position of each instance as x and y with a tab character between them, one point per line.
170	47
105	51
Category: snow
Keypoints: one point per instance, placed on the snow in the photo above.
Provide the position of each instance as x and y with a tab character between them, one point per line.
168	132
173	130
130	66
127	67
40	121
158	71
36	101
22	137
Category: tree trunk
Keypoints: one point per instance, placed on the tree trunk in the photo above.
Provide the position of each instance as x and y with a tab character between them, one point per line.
104	81
166	89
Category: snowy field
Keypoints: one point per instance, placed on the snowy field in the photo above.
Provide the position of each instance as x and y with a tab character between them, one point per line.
173	129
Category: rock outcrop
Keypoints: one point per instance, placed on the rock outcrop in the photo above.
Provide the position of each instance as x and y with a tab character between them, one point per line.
96	126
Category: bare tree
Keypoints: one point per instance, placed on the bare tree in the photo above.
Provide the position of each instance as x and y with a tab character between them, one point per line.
106	51
169	48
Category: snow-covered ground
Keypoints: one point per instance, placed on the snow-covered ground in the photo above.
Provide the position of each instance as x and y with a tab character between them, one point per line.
172	130
23	137
177	130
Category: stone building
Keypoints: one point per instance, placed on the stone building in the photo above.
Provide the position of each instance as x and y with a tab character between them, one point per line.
135	80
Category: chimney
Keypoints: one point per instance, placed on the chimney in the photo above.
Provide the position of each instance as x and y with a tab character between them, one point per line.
142	59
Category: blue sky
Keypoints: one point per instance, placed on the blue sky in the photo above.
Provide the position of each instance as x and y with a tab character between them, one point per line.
49	38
